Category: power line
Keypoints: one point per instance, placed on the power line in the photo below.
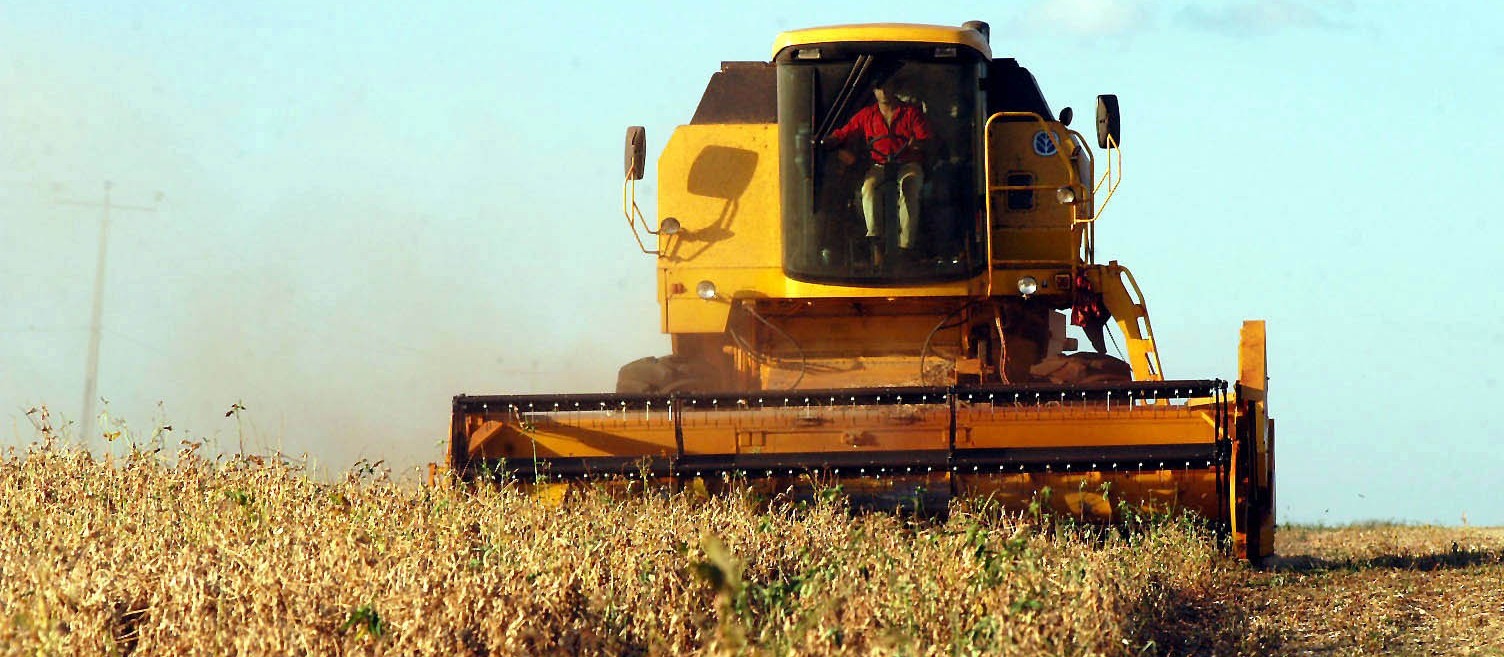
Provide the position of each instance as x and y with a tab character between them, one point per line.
43	329
139	342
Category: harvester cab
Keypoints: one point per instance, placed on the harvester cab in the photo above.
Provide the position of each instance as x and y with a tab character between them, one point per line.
867	250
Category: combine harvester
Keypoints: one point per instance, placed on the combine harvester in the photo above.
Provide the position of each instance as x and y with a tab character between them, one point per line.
874	294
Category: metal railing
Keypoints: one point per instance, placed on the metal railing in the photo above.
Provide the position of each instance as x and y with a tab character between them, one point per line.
634	214
1072	175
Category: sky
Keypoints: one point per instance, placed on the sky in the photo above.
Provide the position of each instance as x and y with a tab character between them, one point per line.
352	214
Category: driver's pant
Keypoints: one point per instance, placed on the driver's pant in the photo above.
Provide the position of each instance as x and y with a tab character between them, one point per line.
910	181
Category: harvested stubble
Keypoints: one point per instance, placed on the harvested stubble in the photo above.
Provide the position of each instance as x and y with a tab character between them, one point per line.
1381	589
186	555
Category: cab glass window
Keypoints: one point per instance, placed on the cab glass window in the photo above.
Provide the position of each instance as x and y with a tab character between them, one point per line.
878	165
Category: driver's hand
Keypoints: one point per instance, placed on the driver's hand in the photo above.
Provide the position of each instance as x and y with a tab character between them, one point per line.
846	157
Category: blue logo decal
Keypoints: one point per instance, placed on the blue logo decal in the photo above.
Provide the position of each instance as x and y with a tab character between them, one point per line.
1044	144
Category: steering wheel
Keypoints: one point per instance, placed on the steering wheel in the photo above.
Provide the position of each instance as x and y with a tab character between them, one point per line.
903	144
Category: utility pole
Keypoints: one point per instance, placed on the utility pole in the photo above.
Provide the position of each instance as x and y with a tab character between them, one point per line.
96	324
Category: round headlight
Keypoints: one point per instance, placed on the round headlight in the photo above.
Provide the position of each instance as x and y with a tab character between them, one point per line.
1066	195
1027	286
670	226
705	290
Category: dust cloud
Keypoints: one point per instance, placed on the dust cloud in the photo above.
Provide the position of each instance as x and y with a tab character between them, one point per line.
338	272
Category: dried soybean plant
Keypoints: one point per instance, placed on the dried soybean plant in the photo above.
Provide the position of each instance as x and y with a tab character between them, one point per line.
157	553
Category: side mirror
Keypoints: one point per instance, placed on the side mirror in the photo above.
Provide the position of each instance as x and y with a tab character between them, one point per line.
1109	123
637	151
1066	115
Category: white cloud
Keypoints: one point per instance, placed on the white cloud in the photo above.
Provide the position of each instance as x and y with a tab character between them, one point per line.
1090	18
1258	17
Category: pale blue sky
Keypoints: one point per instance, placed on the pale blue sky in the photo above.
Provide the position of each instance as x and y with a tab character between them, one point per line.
368	210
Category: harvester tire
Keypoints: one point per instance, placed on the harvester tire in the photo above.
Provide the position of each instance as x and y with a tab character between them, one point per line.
660	375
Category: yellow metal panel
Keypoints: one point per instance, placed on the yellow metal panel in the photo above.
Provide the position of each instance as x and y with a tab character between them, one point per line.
836	439
800	290
1132	316
721	183
765	426
1046	231
487	433
1005	281
1256	540
709	440
1013	151
550	495
582	434
1090	496
1252	354
769	281
1098	496
1035	244
870	372
1069	427
805	428
689	314
883	32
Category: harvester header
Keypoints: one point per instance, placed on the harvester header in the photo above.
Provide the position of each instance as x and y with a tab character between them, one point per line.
871	251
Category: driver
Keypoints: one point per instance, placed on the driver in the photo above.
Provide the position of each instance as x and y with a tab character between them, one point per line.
895	134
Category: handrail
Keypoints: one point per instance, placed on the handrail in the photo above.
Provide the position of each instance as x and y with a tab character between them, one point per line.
1091	162
1148	326
1044	127
634	214
987	202
1073	177
1112	145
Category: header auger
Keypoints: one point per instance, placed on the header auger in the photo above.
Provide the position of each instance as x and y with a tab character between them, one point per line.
865	249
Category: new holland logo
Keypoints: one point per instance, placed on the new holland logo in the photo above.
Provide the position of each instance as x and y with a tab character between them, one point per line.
1044	144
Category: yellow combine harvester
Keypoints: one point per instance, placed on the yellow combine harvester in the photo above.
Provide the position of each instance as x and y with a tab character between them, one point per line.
866	251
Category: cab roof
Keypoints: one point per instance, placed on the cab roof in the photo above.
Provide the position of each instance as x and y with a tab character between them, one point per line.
883	32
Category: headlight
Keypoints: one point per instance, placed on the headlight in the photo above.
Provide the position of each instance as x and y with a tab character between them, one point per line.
1066	195
705	290
670	226
1027	286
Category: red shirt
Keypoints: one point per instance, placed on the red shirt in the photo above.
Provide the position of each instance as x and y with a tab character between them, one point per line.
884	139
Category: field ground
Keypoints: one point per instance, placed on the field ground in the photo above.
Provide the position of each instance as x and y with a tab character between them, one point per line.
1369	589
156	553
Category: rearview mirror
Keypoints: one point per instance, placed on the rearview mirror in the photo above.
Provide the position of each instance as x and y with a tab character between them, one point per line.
1109	124
637	152
1066	115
